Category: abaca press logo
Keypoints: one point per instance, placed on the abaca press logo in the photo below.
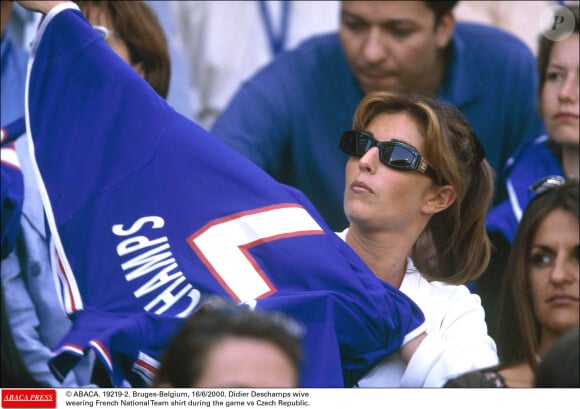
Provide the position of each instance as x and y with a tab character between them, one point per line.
28	398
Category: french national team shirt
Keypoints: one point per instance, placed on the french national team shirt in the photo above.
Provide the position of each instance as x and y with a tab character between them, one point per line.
149	214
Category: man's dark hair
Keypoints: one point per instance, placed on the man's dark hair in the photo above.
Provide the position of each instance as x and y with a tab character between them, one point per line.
440	8
185	359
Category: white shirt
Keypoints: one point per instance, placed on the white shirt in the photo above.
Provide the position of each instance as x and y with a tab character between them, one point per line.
225	42
456	342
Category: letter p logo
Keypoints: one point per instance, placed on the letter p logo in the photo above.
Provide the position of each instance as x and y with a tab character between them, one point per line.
556	23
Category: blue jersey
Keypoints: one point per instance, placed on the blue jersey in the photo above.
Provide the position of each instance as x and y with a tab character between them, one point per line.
149	214
530	162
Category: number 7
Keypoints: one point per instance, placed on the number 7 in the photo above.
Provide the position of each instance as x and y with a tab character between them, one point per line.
223	245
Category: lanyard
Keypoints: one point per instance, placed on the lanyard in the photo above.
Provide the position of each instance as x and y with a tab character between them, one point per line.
277	40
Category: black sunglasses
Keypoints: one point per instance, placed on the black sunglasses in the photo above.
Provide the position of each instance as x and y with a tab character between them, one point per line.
394	154
547	184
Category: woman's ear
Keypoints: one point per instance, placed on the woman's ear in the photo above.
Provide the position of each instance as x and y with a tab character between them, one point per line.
139	68
439	199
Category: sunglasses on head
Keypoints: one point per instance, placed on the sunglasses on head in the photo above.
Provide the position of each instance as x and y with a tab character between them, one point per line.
547	184
394	154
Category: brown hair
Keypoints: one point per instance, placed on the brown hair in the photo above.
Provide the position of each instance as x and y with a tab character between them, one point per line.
440	8
546	44
518	331
184	360
140	29
458	233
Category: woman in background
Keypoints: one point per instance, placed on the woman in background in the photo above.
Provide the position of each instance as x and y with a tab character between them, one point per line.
555	153
133	31
540	292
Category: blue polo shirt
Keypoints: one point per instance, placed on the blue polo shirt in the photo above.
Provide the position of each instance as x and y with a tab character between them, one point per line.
289	117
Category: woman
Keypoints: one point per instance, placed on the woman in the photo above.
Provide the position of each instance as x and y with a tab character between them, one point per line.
555	153
427	182
539	301
135	34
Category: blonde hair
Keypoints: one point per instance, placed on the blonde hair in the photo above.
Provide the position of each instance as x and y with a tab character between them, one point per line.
458	233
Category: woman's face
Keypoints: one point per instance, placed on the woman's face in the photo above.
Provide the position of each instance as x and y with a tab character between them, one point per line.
554	271
559	99
377	197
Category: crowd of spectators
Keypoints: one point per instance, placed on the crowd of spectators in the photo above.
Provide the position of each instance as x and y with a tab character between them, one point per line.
468	205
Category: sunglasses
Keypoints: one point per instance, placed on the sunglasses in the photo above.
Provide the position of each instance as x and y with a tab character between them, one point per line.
394	154
105	32
547	184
